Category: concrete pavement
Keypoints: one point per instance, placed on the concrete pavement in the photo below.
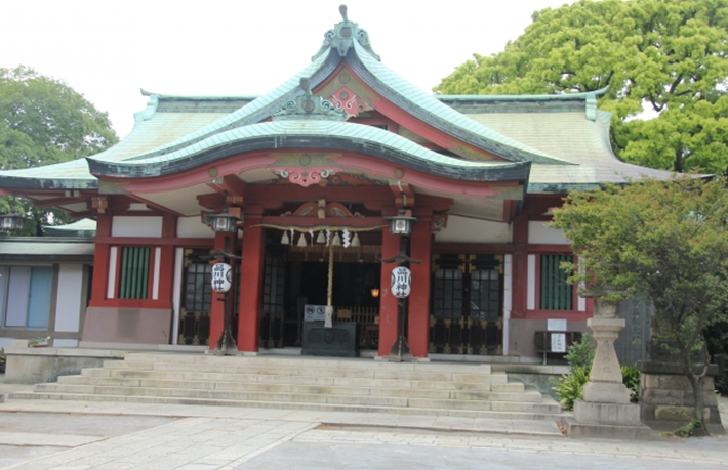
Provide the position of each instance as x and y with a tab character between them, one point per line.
143	436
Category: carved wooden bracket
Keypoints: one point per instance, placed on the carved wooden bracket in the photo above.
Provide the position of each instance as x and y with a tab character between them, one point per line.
304	176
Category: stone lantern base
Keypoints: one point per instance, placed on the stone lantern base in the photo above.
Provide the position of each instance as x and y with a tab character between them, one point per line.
607	420
605	410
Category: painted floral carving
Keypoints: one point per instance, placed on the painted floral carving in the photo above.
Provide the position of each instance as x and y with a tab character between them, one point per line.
347	101
304	176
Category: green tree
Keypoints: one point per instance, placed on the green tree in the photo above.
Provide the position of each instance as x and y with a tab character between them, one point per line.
44	121
665	239
668	57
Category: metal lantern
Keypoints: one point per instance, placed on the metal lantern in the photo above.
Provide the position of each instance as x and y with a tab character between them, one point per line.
222	274
223	222
12	222
401	224
401	282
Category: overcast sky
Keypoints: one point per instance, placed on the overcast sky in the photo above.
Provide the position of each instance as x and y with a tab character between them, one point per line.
107	50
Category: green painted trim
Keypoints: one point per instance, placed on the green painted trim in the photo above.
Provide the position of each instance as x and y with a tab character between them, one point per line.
552	97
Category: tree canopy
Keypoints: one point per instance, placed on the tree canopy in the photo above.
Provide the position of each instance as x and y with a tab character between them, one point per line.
44	121
664	239
667	58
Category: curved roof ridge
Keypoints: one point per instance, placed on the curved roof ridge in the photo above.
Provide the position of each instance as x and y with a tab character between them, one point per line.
164	96
581	95
280	131
470	131
235	119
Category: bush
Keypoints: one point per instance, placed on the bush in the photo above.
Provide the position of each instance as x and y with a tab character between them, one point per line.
569	387
581	354
2	363
631	379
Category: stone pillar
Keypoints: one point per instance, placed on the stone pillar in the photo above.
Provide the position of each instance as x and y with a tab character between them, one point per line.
605	381
605	410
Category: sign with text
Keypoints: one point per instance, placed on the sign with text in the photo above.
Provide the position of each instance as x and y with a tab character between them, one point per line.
558	342
222	277
401	282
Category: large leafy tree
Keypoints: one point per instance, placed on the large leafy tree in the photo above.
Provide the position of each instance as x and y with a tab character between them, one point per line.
44	121
665	239
666	60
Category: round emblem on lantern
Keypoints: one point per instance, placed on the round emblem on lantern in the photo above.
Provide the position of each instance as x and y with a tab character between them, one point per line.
222	275
401	282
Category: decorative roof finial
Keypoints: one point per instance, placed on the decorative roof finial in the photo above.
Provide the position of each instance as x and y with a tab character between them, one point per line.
305	84
309	106
343	35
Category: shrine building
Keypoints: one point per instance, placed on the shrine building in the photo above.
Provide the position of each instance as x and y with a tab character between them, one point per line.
311	174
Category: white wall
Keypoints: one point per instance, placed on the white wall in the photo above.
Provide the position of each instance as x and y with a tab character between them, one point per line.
68	297
540	235
507	302
192	227
467	230
128	226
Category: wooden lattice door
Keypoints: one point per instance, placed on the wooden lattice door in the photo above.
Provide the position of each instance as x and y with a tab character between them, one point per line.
194	317
272	310
467	304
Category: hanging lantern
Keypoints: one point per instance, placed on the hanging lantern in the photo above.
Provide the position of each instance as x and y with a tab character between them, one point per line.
12	222
284	239
375	292
401	224
401	282
223	222
222	274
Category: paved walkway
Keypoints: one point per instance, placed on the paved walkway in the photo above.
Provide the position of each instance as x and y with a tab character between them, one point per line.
205	437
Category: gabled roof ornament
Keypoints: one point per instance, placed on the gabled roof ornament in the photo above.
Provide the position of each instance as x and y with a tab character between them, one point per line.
343	35
309	106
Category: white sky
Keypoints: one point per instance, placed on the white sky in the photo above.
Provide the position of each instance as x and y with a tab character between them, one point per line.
109	49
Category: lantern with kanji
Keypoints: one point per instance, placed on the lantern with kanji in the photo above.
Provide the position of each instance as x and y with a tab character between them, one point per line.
222	274
401	282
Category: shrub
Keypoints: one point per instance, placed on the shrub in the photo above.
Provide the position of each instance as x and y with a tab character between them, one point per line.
631	379
2	363
569	387
581	353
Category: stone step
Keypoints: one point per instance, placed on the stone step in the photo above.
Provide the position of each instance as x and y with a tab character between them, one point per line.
322	395
220	368
326	407
307	362
487	384
370	389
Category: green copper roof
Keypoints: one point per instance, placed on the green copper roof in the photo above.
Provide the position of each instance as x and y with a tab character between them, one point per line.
281	134
358	50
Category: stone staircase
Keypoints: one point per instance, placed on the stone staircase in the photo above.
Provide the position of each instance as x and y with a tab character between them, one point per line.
305	383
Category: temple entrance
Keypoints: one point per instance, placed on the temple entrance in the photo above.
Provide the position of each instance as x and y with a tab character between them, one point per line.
467	304
193	327
298	276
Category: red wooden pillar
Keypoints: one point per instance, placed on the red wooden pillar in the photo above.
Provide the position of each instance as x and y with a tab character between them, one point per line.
251	279
418	329
102	252
217	306
520	267
388	325
166	275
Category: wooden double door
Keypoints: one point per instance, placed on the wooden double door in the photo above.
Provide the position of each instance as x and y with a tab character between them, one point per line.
467	304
